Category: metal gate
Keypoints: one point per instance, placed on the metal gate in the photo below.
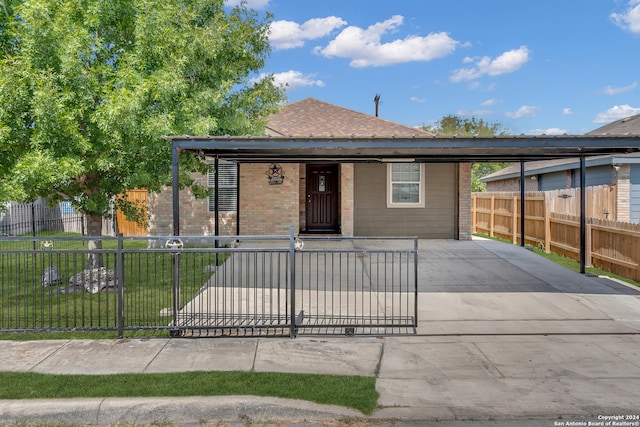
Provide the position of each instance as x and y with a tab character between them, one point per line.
314	285
251	285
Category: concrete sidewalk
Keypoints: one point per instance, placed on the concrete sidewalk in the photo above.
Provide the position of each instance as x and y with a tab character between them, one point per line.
504	338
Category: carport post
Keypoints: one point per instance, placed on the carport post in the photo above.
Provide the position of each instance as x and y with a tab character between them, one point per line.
293	328
216	203
175	187
522	203
583	216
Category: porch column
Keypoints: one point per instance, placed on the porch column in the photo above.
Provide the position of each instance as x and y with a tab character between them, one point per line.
346	199
583	213
522	190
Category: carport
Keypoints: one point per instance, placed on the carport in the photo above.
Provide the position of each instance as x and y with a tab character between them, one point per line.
383	149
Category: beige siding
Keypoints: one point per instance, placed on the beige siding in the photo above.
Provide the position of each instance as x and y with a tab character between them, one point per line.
437	220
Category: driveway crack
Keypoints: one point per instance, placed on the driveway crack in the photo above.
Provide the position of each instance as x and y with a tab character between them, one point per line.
488	361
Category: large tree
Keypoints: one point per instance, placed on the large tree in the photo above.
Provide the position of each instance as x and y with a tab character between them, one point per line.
88	88
453	125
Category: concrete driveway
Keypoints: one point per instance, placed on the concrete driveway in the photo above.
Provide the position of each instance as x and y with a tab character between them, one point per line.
488	287
505	337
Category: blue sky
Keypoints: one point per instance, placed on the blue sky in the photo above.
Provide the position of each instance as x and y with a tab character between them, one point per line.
543	66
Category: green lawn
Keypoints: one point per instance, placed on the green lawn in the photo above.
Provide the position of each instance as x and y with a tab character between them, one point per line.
355	392
148	287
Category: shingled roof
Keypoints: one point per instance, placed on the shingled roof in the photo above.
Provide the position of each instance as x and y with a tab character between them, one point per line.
311	117
628	125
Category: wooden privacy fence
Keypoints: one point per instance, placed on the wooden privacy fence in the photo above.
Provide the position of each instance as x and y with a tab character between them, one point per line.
130	228
610	245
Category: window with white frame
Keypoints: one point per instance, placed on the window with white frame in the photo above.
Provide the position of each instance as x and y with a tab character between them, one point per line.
405	185
227	187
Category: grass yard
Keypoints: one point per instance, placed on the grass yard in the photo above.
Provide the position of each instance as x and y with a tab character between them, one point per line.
148	287
355	392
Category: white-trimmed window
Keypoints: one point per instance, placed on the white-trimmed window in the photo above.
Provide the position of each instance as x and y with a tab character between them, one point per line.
405	185
227	187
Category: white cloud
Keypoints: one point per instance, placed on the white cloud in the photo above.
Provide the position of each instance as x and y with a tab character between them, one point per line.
292	79
365	48
289	34
489	102
610	90
630	19
508	62
251	4
473	113
549	131
524	111
616	112
567	111
418	100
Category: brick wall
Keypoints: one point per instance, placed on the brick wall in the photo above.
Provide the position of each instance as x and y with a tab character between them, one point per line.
195	220
268	209
346	198
302	196
464	201
512	184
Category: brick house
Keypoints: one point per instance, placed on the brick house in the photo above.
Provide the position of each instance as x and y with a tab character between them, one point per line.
621	172
428	200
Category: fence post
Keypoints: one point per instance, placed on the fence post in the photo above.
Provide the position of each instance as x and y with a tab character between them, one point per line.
33	223
514	220
492	215
588	243
120	284
293	330
547	224
474	212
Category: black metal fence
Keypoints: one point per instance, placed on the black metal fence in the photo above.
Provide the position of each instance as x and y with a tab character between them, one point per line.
256	285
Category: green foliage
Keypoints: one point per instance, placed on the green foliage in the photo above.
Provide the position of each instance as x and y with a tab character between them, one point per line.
478	170
89	88
453	125
351	391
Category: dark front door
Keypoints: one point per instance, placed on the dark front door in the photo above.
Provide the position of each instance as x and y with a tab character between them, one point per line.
322	197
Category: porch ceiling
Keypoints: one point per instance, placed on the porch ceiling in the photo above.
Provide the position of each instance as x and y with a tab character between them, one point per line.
418	148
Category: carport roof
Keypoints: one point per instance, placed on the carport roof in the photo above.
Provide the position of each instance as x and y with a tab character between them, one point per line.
417	148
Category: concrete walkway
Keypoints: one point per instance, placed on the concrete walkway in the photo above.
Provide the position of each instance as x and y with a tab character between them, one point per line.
504	338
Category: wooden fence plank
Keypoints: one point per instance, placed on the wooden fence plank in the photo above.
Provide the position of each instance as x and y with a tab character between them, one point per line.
130	228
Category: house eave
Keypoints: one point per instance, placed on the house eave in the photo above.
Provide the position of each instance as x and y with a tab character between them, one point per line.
570	164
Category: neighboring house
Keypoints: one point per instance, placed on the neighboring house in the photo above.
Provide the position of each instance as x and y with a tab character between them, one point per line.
621	172
428	200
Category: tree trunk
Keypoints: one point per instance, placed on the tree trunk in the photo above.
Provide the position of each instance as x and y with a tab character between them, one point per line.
94	229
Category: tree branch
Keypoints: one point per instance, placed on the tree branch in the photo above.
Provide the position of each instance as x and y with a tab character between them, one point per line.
62	194
4	6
